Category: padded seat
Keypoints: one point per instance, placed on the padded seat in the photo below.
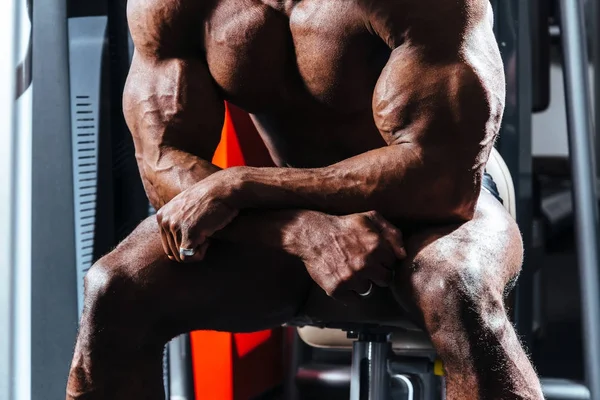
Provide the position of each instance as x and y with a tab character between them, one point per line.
405	341
412	339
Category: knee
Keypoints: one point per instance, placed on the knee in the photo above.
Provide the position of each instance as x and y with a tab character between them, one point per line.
463	298
98	282
113	300
105	285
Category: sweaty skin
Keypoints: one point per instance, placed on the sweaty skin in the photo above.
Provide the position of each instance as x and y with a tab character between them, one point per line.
378	115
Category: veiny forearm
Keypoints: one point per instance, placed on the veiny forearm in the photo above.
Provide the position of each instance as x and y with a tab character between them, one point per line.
402	182
285	230
169	173
278	228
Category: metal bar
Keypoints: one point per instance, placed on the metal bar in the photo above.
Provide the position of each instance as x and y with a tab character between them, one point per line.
379	379
181	379
581	144
53	286
369	377
7	181
358	351
514	143
23	209
595	36
408	385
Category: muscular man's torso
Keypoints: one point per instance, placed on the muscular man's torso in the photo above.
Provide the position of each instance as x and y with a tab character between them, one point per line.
305	69
306	74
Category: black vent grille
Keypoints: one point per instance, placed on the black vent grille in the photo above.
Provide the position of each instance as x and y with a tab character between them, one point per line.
86	178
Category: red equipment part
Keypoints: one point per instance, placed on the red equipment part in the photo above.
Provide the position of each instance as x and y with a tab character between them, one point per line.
237	366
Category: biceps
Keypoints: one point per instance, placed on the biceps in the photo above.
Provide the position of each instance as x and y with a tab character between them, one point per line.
172	104
444	104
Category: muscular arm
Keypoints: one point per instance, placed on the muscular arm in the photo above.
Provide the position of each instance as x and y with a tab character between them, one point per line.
176	115
438	104
175	118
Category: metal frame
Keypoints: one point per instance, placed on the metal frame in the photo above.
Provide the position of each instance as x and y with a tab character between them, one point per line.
369	375
22	211
7	181
53	284
595	43
512	28
581	145
87	37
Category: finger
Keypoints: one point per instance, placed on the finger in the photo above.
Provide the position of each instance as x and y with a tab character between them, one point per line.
187	241
163	238
391	234
172	245
165	243
176	235
385	256
199	253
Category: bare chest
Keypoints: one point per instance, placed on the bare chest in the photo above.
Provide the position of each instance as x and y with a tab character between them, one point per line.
317	52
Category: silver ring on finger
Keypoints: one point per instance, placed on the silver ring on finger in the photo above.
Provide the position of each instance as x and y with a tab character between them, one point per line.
186	252
368	292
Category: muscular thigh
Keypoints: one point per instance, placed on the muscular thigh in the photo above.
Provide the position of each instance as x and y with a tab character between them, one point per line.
488	247
486	251
246	288
235	288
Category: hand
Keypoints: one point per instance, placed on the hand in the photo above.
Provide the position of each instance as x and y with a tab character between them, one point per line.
192	217
351	253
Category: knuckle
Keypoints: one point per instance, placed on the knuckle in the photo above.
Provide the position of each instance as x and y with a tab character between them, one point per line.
392	229
360	263
164	221
373	214
185	231
345	276
373	242
355	219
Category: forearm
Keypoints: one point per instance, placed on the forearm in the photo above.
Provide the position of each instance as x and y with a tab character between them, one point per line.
170	173
402	182
278	229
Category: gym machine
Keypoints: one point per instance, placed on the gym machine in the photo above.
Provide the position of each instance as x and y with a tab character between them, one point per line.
583	170
523	34
71	185
70	116
109	200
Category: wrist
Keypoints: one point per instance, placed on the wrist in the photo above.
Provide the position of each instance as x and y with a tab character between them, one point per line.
301	230
233	180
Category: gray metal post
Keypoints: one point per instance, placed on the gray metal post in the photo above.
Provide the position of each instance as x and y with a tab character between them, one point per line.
181	380
596	60
581	145
514	144
7	180
53	277
369	377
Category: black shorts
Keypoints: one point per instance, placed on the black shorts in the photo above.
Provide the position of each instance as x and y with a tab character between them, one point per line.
489	185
